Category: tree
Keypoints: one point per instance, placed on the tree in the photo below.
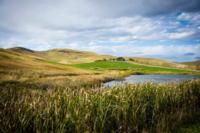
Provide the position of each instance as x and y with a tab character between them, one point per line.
120	59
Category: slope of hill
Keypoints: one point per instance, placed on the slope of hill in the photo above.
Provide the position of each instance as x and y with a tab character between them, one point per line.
156	62
20	63
133	67
193	64
23	64
50	67
21	49
68	56
197	62
34	83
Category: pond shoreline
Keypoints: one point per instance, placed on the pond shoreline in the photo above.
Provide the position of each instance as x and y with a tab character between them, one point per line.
156	78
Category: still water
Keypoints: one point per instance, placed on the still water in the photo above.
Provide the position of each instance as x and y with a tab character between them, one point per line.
150	78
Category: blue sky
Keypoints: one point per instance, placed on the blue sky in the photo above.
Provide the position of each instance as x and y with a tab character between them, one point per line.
142	28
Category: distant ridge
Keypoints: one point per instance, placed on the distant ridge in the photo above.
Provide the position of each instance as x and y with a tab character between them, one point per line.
70	56
65	50
58	55
193	64
21	49
197	62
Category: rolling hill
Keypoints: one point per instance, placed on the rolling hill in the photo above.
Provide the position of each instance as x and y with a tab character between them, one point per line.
24	64
49	67
193	64
19	57
156	62
56	82
68	56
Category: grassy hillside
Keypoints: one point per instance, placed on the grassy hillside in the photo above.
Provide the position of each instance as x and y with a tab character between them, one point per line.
25	59
193	64
27	65
20	64
122	65
68	56
55	66
64	56
155	62
59	91
197	62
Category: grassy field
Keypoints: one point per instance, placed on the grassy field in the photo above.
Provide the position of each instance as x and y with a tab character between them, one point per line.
19	64
141	108
155	62
59	91
68	56
193	126
47	67
193	64
139	68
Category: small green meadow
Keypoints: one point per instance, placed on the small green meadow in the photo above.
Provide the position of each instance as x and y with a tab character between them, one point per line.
122	65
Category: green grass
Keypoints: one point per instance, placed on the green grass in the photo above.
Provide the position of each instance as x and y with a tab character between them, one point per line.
121	65
38	93
140	108
191	126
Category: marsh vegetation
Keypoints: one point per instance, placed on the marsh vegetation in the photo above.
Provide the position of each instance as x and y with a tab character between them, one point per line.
131	108
43	92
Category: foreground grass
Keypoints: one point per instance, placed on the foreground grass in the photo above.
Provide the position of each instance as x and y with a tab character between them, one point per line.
122	65
130	108
192	126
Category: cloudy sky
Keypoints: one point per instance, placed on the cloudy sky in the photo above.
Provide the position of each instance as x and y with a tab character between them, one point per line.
167	29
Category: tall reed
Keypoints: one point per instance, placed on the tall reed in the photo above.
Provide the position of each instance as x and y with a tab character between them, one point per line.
130	108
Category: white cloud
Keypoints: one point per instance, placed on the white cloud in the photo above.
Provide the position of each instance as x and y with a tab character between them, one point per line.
162	50
194	17
138	50
79	24
181	35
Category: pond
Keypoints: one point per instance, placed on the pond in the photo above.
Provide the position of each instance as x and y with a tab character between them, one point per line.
150	78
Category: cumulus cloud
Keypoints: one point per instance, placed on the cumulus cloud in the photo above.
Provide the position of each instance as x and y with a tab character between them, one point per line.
189	54
99	25
181	52
197	58
180	35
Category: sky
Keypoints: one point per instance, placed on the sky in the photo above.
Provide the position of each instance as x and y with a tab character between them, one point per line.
167	29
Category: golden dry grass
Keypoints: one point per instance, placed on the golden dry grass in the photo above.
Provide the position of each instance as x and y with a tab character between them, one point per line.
149	108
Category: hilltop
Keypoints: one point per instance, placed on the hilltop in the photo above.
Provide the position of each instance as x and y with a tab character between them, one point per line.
21	49
69	56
